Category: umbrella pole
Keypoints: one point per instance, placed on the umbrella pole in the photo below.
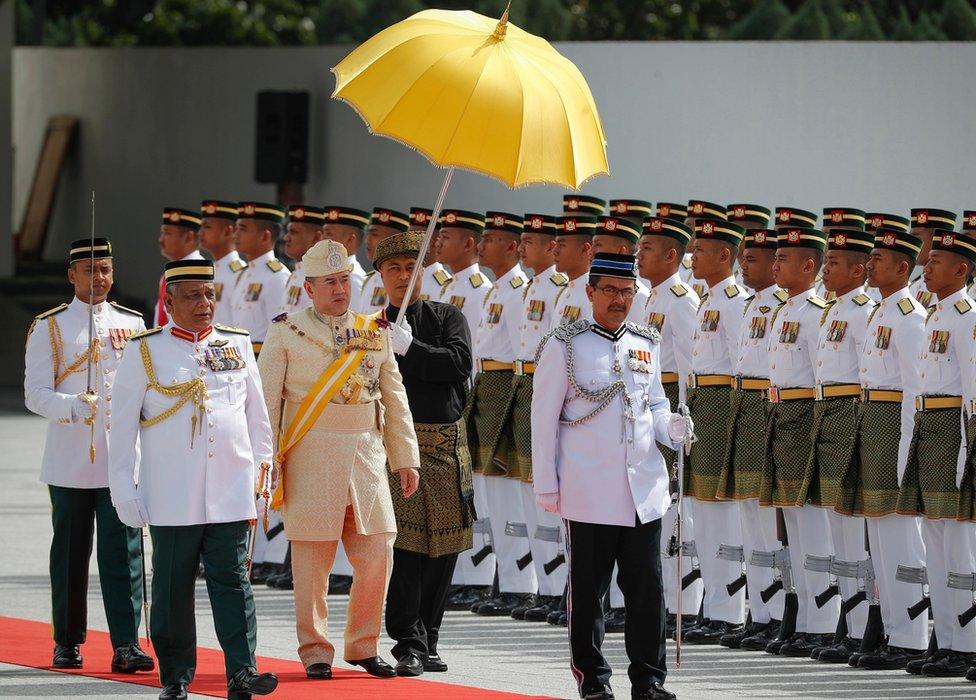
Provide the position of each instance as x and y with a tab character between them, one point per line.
418	269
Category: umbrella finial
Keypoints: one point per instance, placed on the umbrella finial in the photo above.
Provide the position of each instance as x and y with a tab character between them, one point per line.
502	27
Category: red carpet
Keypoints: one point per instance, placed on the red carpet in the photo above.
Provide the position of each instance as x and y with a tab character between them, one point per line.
28	643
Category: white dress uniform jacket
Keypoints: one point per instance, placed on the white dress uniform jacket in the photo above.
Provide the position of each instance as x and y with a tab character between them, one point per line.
433	281
227	272
467	291
842	338
918	289
56	372
258	295
538	308
894	340
296	298
794	341
636	314
752	359
497	336
719	321
372	294
608	466
572	303
357	276
198	464
671	307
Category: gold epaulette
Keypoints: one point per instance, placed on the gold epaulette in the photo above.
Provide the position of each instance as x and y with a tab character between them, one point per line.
963	305
733	290
781	295
559	279
680	289
232	329
516	282
50	312
818	301
861	299
237	265
476	280
686	263
275	265
147	332
125	309
442	277
906	306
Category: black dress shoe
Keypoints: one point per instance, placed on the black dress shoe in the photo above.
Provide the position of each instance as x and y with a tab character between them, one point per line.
971	674
375	666
129	658
889	658
320	671
410	665
615	621
799	645
66	656
259	574
597	692
759	640
339	585
541	612
466	597
435	664
955	664
173	691
531	601
655	692
503	604
733	640
839	653
915	667
710	632
247	682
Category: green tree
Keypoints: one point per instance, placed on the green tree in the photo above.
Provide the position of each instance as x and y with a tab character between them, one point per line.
903	29
959	20
927	28
764	21
838	19
807	23
866	28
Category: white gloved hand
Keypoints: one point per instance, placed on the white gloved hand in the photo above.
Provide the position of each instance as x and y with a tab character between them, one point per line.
549	502
679	427
83	406
401	337
132	513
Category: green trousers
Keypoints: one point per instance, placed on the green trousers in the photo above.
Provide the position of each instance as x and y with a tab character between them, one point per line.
177	551
77	514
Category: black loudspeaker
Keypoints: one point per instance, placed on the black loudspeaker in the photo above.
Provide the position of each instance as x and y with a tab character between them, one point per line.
281	143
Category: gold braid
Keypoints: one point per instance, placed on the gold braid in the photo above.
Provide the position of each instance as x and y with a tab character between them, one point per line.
191	390
57	349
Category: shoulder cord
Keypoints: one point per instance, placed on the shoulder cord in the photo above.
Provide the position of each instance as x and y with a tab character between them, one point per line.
57	349
603	397
194	390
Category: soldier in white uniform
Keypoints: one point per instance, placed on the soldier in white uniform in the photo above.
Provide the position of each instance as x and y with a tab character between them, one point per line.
937	453
889	380
261	287
742	472
924	223
457	249
875	221
843	218
620	234
670	309
749	217
179	239
304	229
189	395
383	223
697	210
715	346
547	539
598	409
55	387
491	420
345	225
573	254
435	276
217	238
834	460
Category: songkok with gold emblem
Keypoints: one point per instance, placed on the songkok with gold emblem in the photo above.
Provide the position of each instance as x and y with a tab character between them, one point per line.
306	214
843	216
86	248
390	218
188	271
631	208
969	220
898	240
174	216
959	243
459	218
407	244
420	217
347	216
934	218
583	204
261	211
326	258
505	222
670	210
797	218
760	238
619	227
576	226
801	237
662	226
854	240
719	230
540	223
877	221
216	209
750	213
699	208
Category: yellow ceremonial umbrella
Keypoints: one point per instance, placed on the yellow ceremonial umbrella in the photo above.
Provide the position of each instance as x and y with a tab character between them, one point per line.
471	92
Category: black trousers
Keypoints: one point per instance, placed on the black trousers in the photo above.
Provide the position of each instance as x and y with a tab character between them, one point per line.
76	515
593	550
415	601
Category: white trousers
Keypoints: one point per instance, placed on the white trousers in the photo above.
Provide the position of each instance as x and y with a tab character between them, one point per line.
507	516
547	538
715	524
691	597
467	573
847	535
809	534
950	547
271	551
759	535
894	540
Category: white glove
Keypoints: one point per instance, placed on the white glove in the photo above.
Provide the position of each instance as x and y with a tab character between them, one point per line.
83	406
679	427
549	502
401	337
132	513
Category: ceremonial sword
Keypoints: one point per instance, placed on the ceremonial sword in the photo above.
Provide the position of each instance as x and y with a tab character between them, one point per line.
92	341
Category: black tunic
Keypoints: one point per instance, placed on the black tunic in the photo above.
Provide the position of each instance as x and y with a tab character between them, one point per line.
437	366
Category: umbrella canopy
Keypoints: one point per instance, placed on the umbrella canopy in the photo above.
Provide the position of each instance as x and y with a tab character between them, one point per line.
471	92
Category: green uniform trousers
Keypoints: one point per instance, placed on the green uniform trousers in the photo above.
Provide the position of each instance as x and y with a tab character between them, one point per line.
75	514
177	551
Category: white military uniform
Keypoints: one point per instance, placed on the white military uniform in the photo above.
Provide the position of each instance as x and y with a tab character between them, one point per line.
295	298
372	295
467	291
257	298
433	281
843	332
919	290
496	338
357	276
198	464
716	342
545	529
889	360
159	313
572	303
758	524
56	372
636	314
950	545
670	308
227	272
792	361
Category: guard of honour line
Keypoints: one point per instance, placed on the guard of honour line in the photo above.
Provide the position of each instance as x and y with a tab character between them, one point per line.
724	424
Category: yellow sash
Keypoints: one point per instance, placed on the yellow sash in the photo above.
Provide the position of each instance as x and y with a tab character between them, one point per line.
315	401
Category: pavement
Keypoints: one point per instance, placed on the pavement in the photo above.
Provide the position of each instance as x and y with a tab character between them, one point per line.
497	653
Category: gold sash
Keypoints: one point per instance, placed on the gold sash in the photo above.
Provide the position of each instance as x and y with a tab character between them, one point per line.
315	401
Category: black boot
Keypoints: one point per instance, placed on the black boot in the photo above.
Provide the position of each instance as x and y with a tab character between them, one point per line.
759	640
733	640
890	658
248	682
839	653
540	612
711	632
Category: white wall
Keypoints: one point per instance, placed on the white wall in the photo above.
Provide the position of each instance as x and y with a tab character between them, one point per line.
882	126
